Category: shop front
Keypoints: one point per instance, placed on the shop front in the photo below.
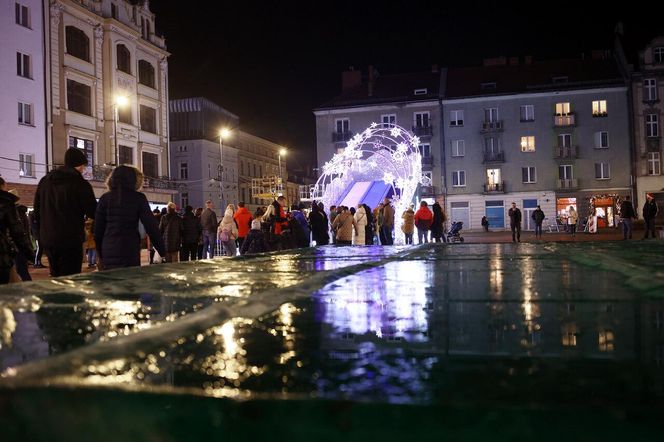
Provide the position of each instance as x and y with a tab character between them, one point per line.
604	209
563	205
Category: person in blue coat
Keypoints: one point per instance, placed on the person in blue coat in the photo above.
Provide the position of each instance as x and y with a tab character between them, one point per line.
116	222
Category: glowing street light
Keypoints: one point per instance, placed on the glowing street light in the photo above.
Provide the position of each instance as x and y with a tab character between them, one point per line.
282	152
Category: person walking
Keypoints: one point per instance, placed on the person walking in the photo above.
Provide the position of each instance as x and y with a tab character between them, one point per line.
319	225
485	223
361	222
572	219
13	237
209	225
438	223
388	222
538	217
243	220
117	237
90	244
191	233
171	230
62	202
515	222
650	210
408	224
423	222
343	225
35	235
199	250
228	233
627	214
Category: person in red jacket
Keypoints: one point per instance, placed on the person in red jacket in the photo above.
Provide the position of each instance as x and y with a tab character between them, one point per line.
423	221
243	220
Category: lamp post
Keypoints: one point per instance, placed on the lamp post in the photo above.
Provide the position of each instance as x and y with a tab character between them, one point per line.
282	152
223	133
119	101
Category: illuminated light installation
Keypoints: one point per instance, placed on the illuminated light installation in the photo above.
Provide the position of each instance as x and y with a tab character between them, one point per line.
389	154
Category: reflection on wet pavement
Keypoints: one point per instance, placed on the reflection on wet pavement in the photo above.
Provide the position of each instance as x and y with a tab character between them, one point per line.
432	324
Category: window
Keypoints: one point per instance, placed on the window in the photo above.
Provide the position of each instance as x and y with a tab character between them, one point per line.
146	73
564	140
606	340
124	114
599	108
601	140
126	155
342	125
145	28
488	86
563	109
87	146
650	89
25	114
456	118
528	144
425	150
560	79
123	59
565	172
422	91
23	65
114	11
182	148
491	115
459	178
78	97
495	213
429	176
458	148
528	174
22	15
184	171
491	146
652	125
148	119
527	113
569	336
150	164
654	164
389	120
77	43
26	165
421	119
602	171
658	55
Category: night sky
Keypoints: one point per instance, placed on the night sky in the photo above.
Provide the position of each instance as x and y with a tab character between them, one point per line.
272	62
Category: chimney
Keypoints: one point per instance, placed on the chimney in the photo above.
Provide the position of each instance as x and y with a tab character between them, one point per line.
371	80
434	68
528	59
350	79
496	61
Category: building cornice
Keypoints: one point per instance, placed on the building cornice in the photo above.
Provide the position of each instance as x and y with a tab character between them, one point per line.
376	107
533	95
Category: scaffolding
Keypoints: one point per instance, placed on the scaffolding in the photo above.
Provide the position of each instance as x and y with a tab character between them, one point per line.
268	187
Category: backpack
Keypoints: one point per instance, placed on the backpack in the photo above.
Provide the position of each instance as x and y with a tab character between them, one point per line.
224	236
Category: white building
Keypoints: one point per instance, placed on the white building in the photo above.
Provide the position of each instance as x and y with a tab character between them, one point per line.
22	96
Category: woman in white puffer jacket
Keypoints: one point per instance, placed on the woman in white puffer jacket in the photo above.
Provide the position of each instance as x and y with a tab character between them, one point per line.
361	221
227	233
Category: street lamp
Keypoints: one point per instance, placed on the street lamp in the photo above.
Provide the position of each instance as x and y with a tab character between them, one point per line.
223	133
119	101
282	152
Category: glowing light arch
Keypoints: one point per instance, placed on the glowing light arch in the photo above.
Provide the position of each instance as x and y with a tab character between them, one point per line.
389	154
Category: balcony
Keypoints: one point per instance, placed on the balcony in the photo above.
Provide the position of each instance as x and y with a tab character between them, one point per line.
566	152
568	184
568	120
492	126
494	157
101	173
423	131
494	187
428	190
341	137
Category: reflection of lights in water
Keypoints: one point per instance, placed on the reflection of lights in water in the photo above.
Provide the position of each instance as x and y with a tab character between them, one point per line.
496	274
7	327
530	309
227	333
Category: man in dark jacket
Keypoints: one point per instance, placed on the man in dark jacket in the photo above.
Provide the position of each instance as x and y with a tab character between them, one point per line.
626	215
515	222
10	227
62	201
538	216
191	231
171	230
649	213
209	224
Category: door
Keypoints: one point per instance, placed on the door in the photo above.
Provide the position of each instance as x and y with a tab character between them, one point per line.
460	212
529	207
495	214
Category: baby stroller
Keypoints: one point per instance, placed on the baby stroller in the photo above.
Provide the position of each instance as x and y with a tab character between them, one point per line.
453	234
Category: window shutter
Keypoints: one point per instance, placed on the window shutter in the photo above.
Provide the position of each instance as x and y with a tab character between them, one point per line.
598	170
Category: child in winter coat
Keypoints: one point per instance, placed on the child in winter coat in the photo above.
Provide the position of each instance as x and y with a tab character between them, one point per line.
255	240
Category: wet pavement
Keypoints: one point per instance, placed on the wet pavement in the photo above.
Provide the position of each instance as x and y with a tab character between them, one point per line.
507	340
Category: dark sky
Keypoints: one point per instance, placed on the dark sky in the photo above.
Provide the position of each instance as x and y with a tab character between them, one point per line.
272	62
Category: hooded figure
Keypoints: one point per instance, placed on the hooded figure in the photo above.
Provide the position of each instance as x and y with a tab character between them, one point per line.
116	221
361	221
171	229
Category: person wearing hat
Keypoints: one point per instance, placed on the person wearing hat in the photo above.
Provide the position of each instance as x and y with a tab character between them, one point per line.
650	210
62	201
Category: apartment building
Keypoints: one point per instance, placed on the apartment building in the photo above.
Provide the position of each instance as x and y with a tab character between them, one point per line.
22	96
408	100
108	90
553	133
